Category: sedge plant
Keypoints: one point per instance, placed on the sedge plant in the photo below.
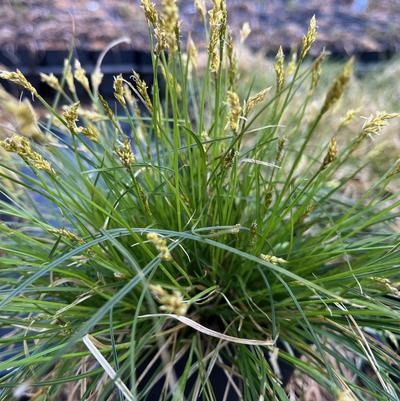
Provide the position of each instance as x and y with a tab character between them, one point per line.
185	224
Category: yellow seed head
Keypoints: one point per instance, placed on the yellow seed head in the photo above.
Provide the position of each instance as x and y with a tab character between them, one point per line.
169	21
309	38
170	302
62	232
161	246
18	78
161	38
90	132
336	90
374	124
234	110
80	75
69	78
253	101
119	89
216	21
142	89
245	32
280	70
125	153
70	115
52	81
273	259
331	154
150	11
21	146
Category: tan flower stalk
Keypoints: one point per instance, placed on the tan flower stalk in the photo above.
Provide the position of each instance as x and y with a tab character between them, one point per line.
348	117
201	8
69	78
229	158
169	21
316	71
90	132
253	101
80	75
216	21
21	146
142	89
161	38
273	259
150	11
161	246
245	32
205	138
331	154
62	232
336	90
192	53
267	199
280	70
18	78
233	69
109	112
309	38
130	99
52	81
119	89
234	110
97	79
170	302
291	68
70	115
125	153
374	124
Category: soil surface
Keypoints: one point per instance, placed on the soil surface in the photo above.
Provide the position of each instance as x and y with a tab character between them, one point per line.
346	26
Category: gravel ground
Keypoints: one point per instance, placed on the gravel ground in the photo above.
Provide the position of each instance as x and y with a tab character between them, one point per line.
346	26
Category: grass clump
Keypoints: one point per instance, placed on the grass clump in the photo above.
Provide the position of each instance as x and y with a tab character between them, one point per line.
189	225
